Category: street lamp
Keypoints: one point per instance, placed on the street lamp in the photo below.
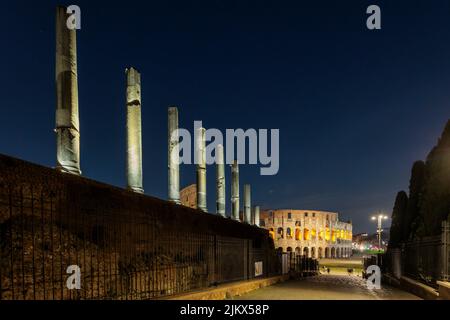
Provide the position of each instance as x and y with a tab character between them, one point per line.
379	218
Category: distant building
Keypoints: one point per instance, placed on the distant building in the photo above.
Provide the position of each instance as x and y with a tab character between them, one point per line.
365	241
188	196
315	234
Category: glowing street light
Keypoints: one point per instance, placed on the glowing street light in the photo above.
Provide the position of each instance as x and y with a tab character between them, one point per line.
379	218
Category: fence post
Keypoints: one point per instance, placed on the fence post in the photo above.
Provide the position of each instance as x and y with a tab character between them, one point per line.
445	272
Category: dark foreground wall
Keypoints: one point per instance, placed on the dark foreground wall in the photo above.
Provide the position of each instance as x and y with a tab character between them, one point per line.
128	246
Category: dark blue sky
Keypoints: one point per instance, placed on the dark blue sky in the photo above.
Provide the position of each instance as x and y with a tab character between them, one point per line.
354	107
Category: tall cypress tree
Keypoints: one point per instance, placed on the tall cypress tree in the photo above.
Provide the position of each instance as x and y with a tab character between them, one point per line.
398	217
435	205
416	187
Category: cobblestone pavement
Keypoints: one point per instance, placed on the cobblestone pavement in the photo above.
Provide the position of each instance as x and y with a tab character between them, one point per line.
327	287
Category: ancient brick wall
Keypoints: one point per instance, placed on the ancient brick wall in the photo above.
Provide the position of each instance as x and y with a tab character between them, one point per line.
128	245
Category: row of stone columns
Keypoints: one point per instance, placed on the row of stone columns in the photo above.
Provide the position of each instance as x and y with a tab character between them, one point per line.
200	156
67	118
68	134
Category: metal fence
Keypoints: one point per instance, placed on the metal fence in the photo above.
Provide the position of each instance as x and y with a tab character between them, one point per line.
426	259
122	255
445	260
422	259
301	266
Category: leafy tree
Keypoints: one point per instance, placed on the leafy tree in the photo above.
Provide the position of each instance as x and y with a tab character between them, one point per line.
398	217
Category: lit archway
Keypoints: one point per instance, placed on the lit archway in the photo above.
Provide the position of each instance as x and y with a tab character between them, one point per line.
288	233
288	249
333	252
272	233
327	234
306	252
313	252
306	234
298	234
321	235
327	252
298	251
320	253
280	234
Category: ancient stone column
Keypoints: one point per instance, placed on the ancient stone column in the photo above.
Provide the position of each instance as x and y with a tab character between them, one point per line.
173	156
134	131
247	204
201	169
220	181
235	190
256	216
67	120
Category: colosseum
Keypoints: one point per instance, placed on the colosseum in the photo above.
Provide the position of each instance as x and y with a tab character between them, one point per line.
315	234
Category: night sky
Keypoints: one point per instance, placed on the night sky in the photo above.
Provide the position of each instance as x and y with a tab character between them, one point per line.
355	108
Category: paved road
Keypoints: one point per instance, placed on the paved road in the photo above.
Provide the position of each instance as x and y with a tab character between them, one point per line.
327	287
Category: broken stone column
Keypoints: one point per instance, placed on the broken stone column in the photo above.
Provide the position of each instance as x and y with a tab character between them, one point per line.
256	216
67	120
173	156
220	181
134	131
235	190
201	169
247	204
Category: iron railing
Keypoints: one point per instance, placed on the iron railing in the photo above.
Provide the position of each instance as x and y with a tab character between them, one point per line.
127	245
122	255
422	259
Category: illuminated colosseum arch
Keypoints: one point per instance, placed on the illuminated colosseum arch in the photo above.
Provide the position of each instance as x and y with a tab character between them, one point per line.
313	234
288	233
321	235
306	251
298	251
298	234
280	234
313	252
272	233
289	249
320	253
306	234
327	252
333	252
